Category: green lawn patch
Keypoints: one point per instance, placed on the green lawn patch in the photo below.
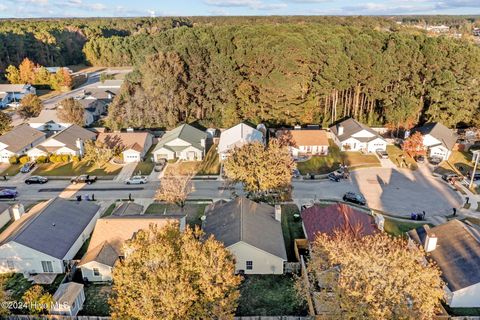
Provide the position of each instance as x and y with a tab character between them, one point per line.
193	211
291	229
269	295
210	164
109	210
395	154
399	228
96	300
16	285
145	167
459	162
12	170
462	312
82	250
76	168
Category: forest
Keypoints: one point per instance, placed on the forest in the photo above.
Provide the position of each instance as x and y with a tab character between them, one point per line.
277	70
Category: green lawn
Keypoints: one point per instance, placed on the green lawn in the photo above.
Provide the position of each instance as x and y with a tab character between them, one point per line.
459	162
335	157
210	164
395	154
12	170
145	167
399	228
96	300
82	250
16	285
291	229
193	211
462	312
76	168
109	210
269	295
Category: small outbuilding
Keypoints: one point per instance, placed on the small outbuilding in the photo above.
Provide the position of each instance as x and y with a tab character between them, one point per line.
68	299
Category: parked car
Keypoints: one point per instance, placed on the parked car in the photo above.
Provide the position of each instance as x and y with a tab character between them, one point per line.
296	173
382	154
332	176
450	176
136	180
36	179
84	178
354	198
435	160
476	176
8	194
420	159
27	167
14	104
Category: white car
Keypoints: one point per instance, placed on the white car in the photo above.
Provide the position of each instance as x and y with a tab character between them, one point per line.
14	105
136	180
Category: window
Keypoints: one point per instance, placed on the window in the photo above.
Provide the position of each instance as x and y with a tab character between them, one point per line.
47	266
96	272
10	265
249	265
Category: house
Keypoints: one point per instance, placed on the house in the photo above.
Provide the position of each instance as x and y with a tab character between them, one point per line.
96	107
338	217
135	145
14	93
68	299
69	141
8	212
107	243
46	238
307	142
184	142
455	248
237	136
18	141
251	231
48	120
438	139
351	135
56	69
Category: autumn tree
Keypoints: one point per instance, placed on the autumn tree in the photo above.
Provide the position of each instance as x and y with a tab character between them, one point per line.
61	80
37	300
3	297
99	152
5	122
71	111
285	139
375	277
413	145
175	187
261	169
169	274
30	106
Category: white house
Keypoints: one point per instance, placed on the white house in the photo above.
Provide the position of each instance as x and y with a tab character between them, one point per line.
251	231
455	248
18	141
351	135
109	235
14	93
237	136
69	141
438	139
135	145
48	120
68	299
47	237
184	143
307	142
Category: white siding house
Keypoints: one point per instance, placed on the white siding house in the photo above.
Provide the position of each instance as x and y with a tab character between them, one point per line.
438	139
135	145
252	260
18	141
14	93
184	142
237	136
351	135
68	299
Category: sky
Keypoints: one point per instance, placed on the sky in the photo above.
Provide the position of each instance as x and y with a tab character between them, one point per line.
132	8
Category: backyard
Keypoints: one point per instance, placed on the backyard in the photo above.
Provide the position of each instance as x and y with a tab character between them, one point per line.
400	158
193	211
335	157
76	168
269	295
292	229
16	285
96	300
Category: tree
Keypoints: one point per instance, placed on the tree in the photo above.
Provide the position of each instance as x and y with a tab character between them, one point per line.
13	74
285	139
71	111
374	277
175	187
169	274
261	169
3	297
5	122
27	71
37	300
30	106
99	152
61	80
413	145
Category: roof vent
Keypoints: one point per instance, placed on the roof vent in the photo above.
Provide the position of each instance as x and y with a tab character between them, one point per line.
53	224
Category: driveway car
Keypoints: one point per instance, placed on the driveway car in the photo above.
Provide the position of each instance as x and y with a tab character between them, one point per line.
332	176
476	176
136	180
420	159
354	198
382	154
27	167
36	179
450	176
8	194
84	178
435	160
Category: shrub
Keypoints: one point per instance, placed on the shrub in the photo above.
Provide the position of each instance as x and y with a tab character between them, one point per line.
65	158
54	158
75	159
24	159
13	160
42	159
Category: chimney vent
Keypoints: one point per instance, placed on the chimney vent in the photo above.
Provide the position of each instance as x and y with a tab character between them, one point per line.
17	211
340	130
278	212
430	242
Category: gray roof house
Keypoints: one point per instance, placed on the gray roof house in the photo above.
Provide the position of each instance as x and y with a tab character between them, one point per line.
47	237
14	93
351	135
18	141
251	231
455	248
69	299
184	142
438	139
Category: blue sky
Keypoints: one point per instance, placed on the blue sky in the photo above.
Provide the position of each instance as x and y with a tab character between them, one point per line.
115	8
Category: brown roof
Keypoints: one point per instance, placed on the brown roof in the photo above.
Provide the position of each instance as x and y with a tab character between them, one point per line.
308	137
128	140
336	218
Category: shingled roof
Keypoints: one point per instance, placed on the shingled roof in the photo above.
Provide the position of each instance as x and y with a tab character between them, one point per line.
437	130
128	140
457	253
185	132
245	220
351	127
20	137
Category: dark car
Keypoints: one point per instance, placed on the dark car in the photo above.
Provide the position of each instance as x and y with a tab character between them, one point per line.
450	176
36	179
435	160
476	176
420	159
8	194
334	177
354	198
27	167
382	154
84	178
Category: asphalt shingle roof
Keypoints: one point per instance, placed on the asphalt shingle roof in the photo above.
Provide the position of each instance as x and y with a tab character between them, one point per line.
437	130
237	136
351	127
185	132
20	137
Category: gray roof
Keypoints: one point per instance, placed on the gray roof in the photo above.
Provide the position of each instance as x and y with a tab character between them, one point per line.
110	84
46	115
70	135
437	130
185	132
128	208
351	127
12	87
51	227
457	253
67	293
20	137
245	220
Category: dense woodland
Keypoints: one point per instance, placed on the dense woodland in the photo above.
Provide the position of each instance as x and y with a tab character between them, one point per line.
278	70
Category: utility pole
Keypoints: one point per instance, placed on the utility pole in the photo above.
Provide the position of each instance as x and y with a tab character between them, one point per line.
476	153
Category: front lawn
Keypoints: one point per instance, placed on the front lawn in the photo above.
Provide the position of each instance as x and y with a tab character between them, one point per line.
76	168
193	211
269	295
291	229
458	162
12	170
145	167
209	166
96	300
395	154
399	228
